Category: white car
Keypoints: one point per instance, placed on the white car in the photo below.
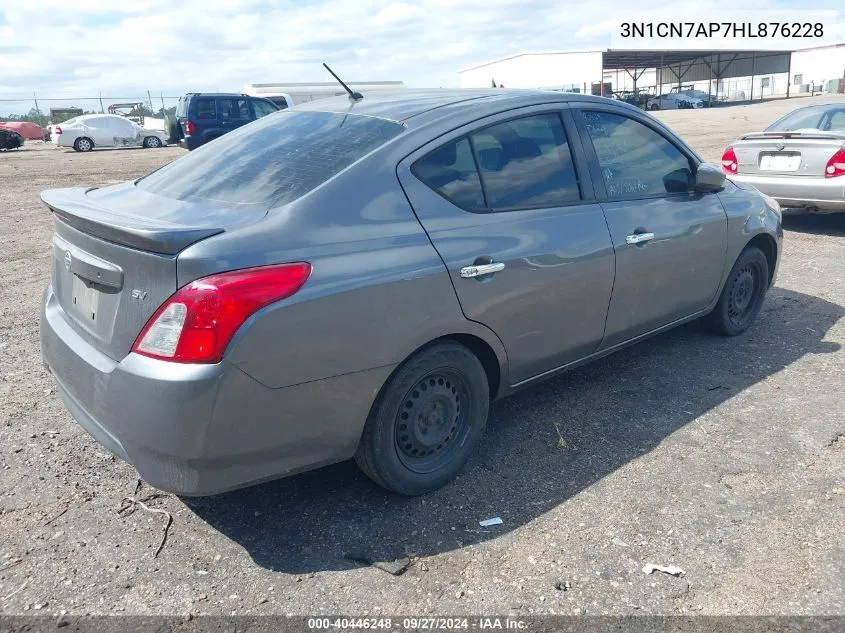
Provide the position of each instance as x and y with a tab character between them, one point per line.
674	101
84	133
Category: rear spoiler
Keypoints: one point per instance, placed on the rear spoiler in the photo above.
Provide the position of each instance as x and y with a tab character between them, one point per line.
802	134
76	209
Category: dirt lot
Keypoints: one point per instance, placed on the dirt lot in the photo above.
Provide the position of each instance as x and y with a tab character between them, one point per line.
723	457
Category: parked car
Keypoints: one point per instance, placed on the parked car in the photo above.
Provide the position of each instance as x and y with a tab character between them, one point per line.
10	139
27	129
707	99
674	101
203	117
88	131
331	282
798	160
638	99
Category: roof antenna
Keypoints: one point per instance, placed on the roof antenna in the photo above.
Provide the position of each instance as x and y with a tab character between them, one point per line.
354	96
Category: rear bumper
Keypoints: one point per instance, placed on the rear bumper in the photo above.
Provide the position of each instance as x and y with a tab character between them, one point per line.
203	429
190	142
822	194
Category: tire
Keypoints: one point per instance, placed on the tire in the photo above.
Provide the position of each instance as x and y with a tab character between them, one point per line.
743	294
427	420
152	142
83	144
654	107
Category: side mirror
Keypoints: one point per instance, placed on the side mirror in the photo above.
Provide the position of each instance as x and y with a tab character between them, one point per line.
708	178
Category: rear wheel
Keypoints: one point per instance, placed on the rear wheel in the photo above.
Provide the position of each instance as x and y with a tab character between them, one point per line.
654	106
83	144
152	141
743	294
427	421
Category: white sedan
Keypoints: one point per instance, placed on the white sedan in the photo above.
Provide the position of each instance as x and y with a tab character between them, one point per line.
674	101
84	133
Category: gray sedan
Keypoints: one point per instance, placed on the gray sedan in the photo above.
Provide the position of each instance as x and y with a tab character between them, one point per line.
799	159
361	279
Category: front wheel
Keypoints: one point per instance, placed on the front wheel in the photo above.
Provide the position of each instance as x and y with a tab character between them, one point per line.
653	107
427	421
743	294
152	142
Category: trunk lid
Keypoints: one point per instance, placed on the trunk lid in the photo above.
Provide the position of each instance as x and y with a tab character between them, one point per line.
115	255
802	153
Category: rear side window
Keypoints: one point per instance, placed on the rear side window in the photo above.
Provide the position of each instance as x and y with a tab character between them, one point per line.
635	160
450	170
233	109
273	161
206	109
524	163
803	119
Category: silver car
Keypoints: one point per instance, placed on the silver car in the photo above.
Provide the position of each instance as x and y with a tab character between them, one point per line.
362	278
799	159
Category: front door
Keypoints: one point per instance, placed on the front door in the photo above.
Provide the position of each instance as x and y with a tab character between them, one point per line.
670	241
508	205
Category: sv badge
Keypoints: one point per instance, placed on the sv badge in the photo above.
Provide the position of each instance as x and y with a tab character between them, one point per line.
139	294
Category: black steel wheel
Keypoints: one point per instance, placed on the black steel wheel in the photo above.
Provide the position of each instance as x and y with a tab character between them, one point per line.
427	420
431	424
743	294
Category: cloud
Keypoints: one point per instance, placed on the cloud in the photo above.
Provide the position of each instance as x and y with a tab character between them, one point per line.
86	47
394	13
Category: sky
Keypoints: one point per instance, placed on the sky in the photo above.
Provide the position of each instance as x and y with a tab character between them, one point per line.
61	48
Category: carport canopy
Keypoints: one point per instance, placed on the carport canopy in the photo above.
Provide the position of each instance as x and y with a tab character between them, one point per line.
678	66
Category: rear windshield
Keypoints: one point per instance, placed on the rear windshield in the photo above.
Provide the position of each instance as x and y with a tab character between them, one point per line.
826	118
273	160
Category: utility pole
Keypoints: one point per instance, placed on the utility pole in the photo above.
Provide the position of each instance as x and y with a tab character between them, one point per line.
37	109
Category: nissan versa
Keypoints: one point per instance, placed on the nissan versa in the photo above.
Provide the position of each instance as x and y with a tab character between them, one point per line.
362	277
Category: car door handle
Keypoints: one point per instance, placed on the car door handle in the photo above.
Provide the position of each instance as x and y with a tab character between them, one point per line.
468	272
639	238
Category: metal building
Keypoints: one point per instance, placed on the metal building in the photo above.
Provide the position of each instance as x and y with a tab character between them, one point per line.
727	74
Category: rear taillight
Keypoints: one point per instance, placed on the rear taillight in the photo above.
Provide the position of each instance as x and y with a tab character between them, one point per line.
836	165
190	128
57	130
196	324
729	162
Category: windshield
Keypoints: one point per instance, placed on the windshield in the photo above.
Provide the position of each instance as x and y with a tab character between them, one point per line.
273	160
826	118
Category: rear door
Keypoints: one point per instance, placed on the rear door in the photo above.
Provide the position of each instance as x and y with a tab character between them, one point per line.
126	133
100	130
670	241
234	112
509	206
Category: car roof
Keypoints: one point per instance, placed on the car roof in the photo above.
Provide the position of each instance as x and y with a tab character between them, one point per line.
87	117
405	105
220	94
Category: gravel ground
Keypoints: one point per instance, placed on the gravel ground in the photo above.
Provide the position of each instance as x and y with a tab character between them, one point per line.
721	456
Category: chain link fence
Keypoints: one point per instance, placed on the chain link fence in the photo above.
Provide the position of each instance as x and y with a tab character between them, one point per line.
45	110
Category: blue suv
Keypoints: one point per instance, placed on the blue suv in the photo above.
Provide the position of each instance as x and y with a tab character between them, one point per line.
203	116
